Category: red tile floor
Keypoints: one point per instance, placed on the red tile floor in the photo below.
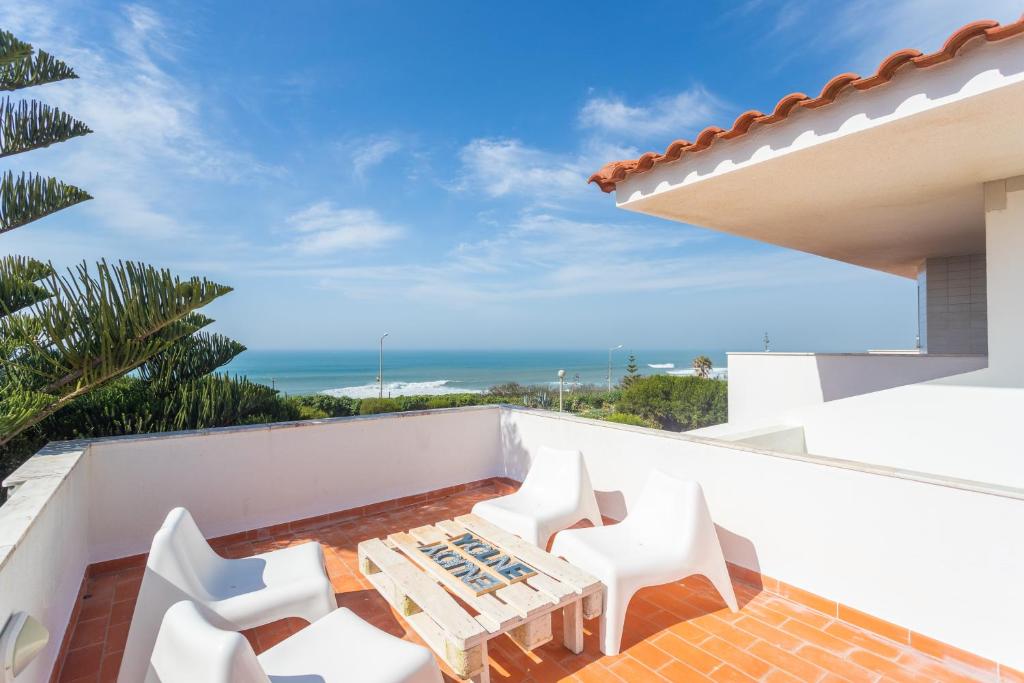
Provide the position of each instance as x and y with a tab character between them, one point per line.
676	632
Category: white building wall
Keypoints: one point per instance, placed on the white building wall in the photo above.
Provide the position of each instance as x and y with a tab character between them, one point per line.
1004	242
766	387
899	549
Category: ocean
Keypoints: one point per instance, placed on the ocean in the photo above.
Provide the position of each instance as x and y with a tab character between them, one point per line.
354	373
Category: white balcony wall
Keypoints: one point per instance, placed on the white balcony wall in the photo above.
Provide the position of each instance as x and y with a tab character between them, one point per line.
946	427
764	387
44	546
250	477
898	548
77	504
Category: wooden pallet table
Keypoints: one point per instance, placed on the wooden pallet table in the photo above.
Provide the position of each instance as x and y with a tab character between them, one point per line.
462	582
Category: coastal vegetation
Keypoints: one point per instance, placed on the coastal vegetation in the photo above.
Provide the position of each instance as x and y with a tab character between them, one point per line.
137	404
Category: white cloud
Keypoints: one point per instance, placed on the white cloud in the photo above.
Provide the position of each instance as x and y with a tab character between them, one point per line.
324	229
150	135
508	167
676	115
501	167
370	152
878	28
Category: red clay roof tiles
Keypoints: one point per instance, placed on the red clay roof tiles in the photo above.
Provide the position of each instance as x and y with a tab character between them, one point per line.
616	171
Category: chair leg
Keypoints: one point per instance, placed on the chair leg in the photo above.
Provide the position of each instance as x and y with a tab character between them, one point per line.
613	618
720	579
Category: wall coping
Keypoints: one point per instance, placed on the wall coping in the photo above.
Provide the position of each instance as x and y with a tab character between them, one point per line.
991	489
865	354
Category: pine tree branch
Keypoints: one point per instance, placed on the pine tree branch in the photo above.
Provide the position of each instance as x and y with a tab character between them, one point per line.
38	70
95	328
30	197
12	49
19	276
28	125
191	358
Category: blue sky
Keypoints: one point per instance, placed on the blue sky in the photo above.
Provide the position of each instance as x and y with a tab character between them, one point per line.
420	168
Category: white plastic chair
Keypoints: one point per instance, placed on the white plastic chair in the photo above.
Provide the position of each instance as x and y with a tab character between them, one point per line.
555	495
668	536
338	648
233	594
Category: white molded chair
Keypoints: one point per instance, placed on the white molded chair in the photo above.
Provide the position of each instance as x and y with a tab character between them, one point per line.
668	536
555	495
337	648
233	594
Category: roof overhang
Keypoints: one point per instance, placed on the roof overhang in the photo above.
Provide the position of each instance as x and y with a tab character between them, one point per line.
881	178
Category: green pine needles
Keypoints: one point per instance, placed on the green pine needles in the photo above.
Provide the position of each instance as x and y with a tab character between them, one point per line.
29	197
28	125
38	69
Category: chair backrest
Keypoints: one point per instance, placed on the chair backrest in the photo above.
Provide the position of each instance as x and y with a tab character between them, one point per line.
556	474
672	509
190	650
181	555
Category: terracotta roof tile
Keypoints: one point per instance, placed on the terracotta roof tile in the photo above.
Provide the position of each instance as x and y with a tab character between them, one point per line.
616	171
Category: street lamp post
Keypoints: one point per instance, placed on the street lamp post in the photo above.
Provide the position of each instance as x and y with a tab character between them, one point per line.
380	369
561	386
614	348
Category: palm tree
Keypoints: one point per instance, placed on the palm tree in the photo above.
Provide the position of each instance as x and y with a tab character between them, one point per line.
65	334
702	367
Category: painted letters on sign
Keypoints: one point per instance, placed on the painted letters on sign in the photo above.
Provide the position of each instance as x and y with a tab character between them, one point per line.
508	567
481	566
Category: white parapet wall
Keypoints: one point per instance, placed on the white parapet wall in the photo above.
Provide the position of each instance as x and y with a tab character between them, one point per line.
243	478
763	387
44	545
894	544
900	546
75	504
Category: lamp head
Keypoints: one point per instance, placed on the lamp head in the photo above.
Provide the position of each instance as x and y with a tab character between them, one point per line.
21	640
561	374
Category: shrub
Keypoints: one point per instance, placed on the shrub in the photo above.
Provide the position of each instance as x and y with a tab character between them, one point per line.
321	405
627	419
676	403
373	406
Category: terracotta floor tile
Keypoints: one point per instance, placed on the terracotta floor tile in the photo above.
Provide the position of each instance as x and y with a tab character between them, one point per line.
631	670
82	662
91	632
818	637
679	671
648	654
835	664
770	634
677	632
729	673
788	662
698	659
730	654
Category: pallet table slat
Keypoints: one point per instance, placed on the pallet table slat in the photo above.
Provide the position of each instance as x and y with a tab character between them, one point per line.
439	606
426	595
465	662
494	614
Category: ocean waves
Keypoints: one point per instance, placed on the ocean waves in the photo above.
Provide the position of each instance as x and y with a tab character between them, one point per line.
431	388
